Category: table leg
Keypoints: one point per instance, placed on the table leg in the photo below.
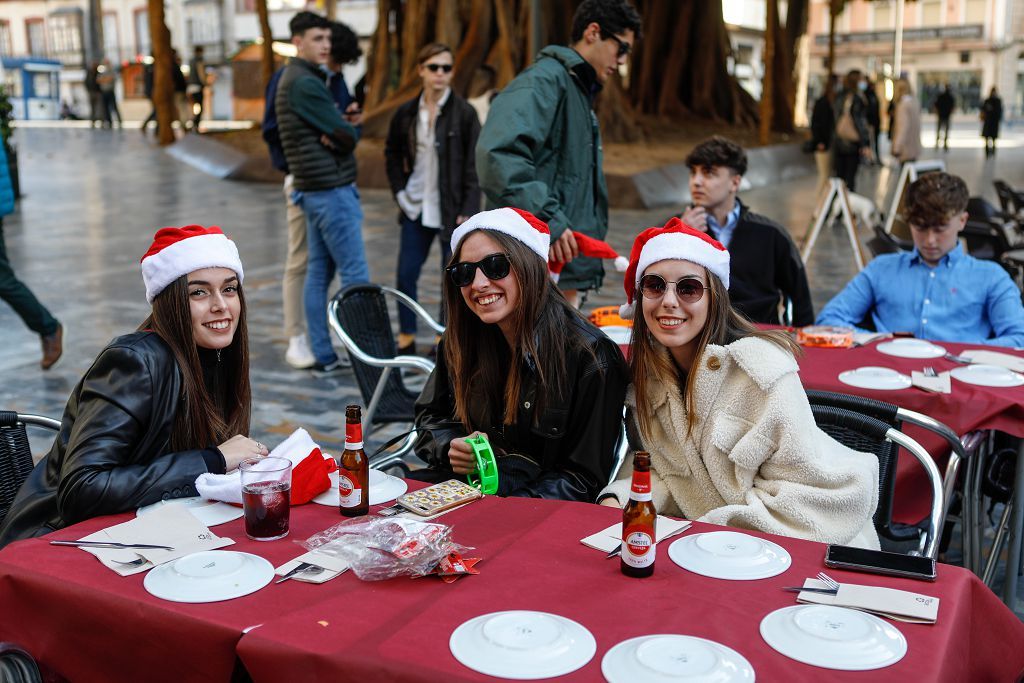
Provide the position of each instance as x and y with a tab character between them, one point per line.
1016	527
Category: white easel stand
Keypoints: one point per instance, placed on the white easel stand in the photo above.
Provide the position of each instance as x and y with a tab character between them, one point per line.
837	190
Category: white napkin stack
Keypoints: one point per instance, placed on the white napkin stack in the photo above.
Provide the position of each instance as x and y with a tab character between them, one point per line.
228	487
913	608
940	384
332	567
1003	360
609	539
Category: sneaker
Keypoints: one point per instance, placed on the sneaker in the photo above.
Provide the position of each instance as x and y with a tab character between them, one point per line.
298	354
333	368
407	350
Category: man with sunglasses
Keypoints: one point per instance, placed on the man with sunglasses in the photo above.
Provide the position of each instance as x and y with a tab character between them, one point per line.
766	266
430	163
540	148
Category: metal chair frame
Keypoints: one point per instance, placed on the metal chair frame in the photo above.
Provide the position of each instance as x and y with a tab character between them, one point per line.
929	540
387	365
20	463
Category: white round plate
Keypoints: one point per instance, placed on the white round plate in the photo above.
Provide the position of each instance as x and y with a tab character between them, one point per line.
209	512
383	488
871	377
209	576
522	645
729	555
618	333
987	375
911	348
833	637
669	657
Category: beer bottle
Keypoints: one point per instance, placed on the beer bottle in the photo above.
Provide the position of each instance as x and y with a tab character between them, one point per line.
354	469
639	547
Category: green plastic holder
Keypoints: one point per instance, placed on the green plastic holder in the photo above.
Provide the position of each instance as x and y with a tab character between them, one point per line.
486	476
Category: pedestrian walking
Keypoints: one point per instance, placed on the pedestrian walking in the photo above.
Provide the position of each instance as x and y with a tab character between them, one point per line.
874	118
540	148
196	88
906	146
106	79
991	115
943	107
852	138
430	153
319	145
14	292
92	90
822	131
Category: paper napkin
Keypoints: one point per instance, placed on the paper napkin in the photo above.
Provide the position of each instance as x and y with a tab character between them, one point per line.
1003	360
940	384
332	566
895	604
169	525
609	539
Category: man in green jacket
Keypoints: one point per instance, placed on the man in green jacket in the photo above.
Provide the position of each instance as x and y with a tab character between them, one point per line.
540	149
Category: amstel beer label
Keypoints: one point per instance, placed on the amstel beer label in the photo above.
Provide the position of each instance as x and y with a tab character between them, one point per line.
638	546
349	491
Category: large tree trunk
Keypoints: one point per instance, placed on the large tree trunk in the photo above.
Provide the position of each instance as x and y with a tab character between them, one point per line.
163	81
267	51
768	83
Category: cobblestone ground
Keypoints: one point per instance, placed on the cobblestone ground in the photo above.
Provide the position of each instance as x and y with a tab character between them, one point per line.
93	199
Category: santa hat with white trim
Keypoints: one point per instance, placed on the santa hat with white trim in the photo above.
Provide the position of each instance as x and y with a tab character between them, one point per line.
179	251
676	241
517	223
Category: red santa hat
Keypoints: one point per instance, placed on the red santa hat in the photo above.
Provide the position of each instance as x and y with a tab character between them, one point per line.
677	241
179	251
590	246
517	223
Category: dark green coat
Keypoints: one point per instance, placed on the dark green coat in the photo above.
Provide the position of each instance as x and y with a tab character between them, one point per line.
540	150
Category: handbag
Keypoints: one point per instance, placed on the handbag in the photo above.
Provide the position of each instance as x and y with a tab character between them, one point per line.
846	129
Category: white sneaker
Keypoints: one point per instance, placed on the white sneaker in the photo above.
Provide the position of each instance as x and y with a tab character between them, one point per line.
298	354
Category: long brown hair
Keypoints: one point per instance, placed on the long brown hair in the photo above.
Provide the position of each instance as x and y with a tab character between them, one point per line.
200	422
485	374
648	359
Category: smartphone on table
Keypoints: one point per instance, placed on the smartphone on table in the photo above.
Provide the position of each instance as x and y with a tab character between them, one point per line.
880	562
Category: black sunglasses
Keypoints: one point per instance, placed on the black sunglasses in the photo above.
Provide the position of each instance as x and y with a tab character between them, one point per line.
688	289
624	48
447	68
495	267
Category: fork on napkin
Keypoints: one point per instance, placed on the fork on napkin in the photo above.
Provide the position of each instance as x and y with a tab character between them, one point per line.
169	525
331	566
929	380
895	604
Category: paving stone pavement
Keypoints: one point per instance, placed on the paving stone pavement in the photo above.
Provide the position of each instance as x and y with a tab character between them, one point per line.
94	198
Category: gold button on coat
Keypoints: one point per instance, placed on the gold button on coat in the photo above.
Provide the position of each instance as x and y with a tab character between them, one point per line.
714	363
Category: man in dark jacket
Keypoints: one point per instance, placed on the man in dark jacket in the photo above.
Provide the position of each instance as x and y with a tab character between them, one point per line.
344	50
430	163
319	145
767	271
540	149
944	104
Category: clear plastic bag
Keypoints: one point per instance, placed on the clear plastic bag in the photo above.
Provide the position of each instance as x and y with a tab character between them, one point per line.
378	548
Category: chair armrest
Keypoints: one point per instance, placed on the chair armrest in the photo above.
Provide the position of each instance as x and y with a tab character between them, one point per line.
938	504
414	362
415	307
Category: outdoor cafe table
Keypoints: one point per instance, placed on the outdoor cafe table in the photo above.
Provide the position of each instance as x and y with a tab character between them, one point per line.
85	623
968	408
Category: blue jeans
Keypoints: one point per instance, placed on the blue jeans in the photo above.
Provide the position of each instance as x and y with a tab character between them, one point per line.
334	232
412	253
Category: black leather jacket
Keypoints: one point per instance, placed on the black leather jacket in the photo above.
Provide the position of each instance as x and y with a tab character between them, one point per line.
111	454
566	452
455	133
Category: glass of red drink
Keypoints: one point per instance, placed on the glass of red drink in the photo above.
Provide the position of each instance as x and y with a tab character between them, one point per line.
266	493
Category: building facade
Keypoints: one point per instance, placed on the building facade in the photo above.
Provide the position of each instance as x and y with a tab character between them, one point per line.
971	45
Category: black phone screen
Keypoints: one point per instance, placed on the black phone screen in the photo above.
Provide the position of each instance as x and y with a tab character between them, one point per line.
881	560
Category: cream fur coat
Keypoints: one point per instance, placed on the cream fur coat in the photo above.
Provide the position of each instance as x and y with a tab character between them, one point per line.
755	458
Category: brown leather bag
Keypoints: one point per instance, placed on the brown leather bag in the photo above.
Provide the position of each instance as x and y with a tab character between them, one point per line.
846	129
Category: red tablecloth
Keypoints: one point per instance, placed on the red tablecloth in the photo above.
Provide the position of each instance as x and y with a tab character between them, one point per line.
966	409
398	630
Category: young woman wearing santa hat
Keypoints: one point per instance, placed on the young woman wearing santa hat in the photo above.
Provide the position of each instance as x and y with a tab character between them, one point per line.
522	366
719	405
158	407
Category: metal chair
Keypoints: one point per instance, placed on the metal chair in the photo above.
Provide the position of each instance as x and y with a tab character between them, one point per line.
16	453
359	316
864	433
962	450
17	666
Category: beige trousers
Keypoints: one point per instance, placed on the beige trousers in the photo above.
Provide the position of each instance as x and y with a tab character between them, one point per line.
294	266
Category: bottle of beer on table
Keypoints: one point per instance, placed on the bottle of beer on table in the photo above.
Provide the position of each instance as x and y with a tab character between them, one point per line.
639	547
354	469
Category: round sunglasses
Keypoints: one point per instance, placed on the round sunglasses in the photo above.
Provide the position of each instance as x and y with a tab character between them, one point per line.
688	289
494	266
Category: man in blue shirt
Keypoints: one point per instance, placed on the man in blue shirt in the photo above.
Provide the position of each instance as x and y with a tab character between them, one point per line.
937	291
344	50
